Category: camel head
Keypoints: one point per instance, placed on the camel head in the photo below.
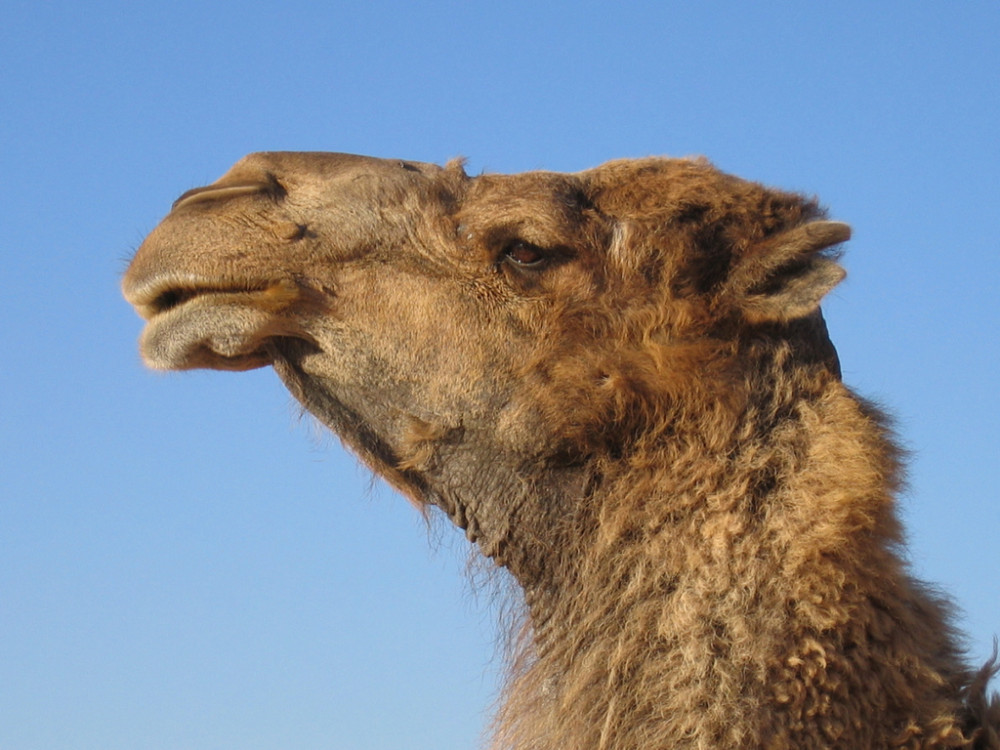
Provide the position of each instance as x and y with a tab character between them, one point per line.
479	340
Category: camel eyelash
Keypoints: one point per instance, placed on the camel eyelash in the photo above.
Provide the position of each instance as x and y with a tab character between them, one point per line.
525	255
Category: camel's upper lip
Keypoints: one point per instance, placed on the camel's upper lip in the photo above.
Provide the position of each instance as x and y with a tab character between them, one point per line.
151	297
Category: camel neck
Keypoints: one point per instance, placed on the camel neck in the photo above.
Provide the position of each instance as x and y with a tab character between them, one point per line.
733	595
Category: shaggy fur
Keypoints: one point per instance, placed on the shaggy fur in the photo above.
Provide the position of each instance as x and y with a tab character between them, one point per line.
619	383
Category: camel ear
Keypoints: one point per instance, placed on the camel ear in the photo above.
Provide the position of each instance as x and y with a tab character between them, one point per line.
786	276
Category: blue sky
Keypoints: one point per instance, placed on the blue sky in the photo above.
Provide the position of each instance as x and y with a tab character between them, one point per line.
186	563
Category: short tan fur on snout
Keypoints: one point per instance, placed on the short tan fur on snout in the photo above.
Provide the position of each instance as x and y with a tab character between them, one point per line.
619	383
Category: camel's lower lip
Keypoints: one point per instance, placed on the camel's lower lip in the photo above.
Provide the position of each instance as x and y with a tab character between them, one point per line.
222	330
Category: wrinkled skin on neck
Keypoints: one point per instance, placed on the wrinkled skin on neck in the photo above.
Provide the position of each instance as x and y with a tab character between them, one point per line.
619	383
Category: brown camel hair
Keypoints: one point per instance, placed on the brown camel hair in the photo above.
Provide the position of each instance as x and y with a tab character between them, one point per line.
620	384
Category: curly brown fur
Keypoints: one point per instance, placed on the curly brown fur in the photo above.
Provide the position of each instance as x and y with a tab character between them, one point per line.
619	383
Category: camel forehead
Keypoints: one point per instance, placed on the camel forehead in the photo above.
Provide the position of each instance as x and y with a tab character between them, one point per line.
324	164
321	161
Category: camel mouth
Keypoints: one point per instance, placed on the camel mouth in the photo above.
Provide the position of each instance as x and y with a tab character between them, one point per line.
161	295
173	297
222	326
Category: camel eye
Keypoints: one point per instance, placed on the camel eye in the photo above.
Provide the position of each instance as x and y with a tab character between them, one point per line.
524	254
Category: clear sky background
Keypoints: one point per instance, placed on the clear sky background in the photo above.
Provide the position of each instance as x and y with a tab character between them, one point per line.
186	563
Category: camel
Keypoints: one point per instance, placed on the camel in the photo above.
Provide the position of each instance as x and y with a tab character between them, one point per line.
619	383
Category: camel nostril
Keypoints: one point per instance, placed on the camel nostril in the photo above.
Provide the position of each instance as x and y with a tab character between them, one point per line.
291	230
